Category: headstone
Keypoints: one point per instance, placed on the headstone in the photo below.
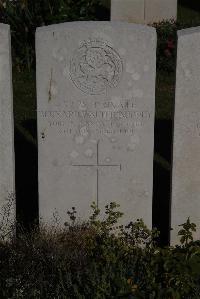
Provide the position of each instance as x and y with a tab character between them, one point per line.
160	10
186	159
96	94
7	210
128	10
143	11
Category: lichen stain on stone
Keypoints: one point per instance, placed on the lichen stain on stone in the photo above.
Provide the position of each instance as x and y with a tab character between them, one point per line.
108	160
135	76
55	163
84	131
43	133
146	68
79	139
74	154
58	54
89	153
94	141
50	86
113	140
82	106
122	51
134	142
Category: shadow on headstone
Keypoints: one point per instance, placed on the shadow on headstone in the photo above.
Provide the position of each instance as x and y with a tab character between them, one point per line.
26	172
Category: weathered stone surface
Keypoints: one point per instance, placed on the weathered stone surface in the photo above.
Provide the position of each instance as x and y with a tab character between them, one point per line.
6	133
96	94
159	10
132	11
186	159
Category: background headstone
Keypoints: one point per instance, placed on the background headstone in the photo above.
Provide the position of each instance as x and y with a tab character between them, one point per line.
143	11
159	10
7	202
186	157
96	94
128	10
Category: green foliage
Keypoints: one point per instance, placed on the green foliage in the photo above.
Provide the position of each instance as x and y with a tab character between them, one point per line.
99	258
186	232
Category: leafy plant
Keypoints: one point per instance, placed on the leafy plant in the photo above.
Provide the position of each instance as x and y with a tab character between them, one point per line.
99	258
186	232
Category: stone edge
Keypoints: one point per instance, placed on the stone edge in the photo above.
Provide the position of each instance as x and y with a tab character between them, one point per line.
91	23
188	31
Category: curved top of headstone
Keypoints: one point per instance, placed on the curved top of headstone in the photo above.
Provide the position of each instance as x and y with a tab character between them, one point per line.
89	24
5	32
189	31
95	66
4	26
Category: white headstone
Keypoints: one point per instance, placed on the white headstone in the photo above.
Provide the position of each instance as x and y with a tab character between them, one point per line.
143	11
132	11
160	10
96	94
6	132
186	158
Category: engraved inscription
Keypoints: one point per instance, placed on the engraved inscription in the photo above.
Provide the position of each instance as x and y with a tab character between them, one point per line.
96	67
103	117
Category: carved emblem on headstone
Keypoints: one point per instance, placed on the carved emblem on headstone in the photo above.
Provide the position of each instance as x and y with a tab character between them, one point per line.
96	67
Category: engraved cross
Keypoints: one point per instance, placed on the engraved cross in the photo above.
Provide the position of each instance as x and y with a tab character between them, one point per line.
98	166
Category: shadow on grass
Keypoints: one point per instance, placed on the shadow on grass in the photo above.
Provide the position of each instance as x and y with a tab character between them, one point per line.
26	172
162	181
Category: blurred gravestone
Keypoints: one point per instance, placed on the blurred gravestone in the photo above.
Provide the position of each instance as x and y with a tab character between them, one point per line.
143	11
186	161
128	10
160	10
95	95
7	202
